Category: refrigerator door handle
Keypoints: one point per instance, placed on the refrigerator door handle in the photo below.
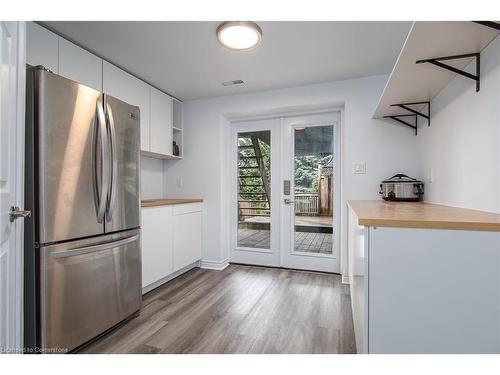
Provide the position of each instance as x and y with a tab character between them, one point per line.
104	170
94	248
114	166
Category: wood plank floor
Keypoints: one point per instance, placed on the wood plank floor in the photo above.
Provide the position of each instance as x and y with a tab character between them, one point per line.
243	309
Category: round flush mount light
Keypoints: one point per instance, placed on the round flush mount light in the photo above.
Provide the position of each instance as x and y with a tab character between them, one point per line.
239	35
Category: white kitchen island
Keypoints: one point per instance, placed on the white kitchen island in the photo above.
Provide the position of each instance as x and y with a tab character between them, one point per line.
424	278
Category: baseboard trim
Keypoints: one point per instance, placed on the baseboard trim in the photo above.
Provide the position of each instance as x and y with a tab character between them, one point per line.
214	264
167	278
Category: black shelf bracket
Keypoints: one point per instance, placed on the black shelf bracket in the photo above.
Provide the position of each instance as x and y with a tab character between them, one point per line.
414	111
437	61
492	24
398	119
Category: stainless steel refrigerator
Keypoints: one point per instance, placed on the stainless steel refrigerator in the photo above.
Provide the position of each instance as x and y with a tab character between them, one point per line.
82	243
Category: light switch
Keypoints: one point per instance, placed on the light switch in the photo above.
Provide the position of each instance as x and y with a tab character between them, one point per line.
359	168
179	182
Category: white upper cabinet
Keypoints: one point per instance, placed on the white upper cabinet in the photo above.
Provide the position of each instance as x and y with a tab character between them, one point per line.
161	115
177	115
161	122
126	87
79	65
177	128
42	47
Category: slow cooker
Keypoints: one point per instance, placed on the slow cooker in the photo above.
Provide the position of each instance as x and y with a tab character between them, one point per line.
402	188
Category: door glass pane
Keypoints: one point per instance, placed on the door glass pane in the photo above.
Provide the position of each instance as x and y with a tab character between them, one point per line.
254	189
313	190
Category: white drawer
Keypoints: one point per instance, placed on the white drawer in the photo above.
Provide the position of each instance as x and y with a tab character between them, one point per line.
180	209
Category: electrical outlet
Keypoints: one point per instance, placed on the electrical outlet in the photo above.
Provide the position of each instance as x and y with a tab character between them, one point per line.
179	182
359	168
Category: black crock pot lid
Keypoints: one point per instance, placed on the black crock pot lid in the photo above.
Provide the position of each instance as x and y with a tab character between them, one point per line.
401	178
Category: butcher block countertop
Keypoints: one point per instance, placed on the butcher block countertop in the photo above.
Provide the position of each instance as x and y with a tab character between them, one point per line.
422	215
168	202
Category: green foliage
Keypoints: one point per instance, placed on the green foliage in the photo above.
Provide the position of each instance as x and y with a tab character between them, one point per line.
306	177
307	172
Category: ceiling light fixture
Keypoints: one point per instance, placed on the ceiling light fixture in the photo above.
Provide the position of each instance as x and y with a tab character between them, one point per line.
239	35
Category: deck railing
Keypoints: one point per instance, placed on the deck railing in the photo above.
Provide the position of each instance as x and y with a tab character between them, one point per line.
306	204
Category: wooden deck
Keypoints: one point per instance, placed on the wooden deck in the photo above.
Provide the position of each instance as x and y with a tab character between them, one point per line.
309	242
310	221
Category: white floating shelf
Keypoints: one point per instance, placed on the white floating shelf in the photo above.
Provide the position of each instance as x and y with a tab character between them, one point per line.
155	155
410	82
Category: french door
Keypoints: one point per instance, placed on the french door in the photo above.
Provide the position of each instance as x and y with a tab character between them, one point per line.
285	192
310	224
255	182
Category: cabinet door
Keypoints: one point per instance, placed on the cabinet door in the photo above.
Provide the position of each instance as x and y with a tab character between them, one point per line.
187	239
42	47
126	87
157	259
79	65
161	122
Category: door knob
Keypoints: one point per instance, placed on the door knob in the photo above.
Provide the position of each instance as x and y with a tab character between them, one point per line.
16	213
288	201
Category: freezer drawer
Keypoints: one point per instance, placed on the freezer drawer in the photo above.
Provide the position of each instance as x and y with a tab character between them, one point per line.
87	287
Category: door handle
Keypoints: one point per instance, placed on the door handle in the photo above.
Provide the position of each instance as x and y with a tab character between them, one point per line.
16	213
94	248
114	164
288	201
104	149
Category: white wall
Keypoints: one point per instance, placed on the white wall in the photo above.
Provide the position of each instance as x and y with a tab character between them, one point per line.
461	149
151	178
386	147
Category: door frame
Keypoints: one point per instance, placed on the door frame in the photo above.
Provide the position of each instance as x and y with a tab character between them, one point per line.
14	337
227	191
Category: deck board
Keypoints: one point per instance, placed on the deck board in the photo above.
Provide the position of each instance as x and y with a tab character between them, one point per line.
309	242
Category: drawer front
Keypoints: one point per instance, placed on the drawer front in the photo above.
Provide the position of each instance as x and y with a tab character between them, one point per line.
87	287
180	209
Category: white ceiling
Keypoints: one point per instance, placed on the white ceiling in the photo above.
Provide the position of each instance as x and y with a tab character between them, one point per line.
185	59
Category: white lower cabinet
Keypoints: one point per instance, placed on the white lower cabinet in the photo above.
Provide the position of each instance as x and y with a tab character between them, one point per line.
157	245
187	234
171	241
424	291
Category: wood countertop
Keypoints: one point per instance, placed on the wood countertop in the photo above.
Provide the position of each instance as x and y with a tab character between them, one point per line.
167	202
422	215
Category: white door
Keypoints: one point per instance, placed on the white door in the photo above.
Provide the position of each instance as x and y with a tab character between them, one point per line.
255	185
12	80
311	163
284	194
